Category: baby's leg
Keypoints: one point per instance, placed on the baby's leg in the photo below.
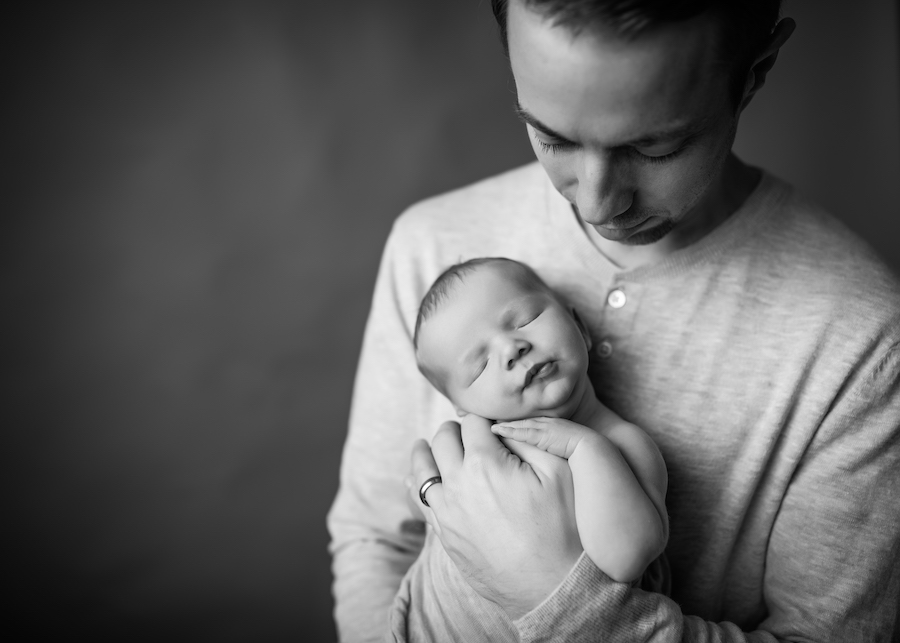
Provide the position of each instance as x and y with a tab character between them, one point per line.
617	522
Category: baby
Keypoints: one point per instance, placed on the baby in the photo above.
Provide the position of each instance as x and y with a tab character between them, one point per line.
498	343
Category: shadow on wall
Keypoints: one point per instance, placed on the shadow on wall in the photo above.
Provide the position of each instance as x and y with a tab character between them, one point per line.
197	202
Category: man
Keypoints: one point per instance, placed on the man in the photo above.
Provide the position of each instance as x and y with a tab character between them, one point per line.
748	332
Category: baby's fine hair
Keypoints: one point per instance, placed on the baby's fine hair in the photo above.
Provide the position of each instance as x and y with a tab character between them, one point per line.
453	275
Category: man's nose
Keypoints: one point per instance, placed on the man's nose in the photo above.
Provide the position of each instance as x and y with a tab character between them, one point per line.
604	186
514	349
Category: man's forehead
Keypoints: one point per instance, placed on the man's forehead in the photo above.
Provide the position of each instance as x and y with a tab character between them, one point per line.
592	87
657	133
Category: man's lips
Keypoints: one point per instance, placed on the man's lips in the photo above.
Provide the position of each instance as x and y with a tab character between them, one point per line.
624	223
539	371
628	220
616	233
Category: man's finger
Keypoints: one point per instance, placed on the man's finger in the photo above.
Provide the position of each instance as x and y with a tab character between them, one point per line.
447	448
477	435
544	464
424	468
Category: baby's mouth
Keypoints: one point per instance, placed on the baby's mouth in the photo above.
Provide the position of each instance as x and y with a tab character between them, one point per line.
539	371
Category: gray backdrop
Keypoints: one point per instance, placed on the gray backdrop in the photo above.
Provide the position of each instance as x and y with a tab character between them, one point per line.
198	194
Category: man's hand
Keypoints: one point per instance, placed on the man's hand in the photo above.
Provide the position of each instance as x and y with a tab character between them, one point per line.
504	514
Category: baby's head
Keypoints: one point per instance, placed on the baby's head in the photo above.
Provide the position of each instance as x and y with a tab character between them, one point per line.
499	343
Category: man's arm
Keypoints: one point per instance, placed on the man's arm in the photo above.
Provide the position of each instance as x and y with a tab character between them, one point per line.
831	560
374	538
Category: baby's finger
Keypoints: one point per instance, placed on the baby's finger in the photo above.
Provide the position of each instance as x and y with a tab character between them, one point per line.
558	441
527	423
537	437
528	434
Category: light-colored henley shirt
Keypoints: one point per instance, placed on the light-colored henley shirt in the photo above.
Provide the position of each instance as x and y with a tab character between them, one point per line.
764	360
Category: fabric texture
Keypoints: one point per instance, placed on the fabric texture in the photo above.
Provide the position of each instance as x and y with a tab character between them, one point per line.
435	603
764	360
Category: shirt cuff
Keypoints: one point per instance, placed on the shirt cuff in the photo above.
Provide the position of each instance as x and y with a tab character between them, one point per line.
577	601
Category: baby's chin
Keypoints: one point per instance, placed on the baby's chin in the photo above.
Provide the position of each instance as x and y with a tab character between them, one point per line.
560	402
561	410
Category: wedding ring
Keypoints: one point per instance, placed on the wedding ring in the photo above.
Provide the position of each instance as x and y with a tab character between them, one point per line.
425	486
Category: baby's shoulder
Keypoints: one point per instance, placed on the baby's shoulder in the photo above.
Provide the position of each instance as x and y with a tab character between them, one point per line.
623	434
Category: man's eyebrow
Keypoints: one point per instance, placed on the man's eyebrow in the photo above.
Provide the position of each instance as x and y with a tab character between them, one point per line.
527	117
652	138
664	136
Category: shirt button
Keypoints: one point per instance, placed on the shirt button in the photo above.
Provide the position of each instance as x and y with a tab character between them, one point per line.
604	349
616	299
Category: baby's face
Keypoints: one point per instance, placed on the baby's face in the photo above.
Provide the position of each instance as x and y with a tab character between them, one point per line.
504	351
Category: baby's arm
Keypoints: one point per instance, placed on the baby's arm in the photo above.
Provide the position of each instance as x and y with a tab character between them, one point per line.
620	488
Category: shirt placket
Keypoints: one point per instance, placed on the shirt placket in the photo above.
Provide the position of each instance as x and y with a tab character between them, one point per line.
620	306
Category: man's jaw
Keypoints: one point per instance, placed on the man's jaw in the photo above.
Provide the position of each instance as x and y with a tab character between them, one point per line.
650	235
626	228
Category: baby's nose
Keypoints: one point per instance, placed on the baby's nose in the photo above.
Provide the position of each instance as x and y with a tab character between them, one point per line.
518	349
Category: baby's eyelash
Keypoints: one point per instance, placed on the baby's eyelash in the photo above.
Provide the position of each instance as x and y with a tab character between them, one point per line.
528	321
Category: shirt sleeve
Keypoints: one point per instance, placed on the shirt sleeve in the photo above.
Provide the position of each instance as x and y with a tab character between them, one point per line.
374	538
831	563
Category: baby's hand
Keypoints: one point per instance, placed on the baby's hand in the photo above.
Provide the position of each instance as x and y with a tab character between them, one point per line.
553	435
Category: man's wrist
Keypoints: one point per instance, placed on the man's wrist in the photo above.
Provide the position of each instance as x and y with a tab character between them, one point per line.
519	606
583	579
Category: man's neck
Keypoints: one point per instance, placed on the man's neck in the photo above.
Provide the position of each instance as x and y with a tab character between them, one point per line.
722	200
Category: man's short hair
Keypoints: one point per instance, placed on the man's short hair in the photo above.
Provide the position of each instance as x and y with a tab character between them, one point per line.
746	24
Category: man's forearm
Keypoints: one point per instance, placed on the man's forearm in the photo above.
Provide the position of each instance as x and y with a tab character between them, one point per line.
590	608
367	575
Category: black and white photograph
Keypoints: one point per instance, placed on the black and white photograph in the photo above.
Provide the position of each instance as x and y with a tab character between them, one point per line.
470	321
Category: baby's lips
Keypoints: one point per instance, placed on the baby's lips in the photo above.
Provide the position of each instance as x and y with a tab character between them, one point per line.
538	368
529	374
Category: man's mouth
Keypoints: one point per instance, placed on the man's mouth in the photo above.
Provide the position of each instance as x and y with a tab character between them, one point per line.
539	371
614	234
620	228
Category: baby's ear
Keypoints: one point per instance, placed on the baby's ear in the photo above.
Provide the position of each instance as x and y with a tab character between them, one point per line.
584	331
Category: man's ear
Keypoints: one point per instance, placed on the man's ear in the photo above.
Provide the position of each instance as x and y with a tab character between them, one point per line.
584	331
765	60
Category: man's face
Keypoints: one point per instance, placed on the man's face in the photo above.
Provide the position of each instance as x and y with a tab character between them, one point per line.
634	134
504	351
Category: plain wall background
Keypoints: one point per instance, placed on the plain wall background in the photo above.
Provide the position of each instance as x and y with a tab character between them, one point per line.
197	195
